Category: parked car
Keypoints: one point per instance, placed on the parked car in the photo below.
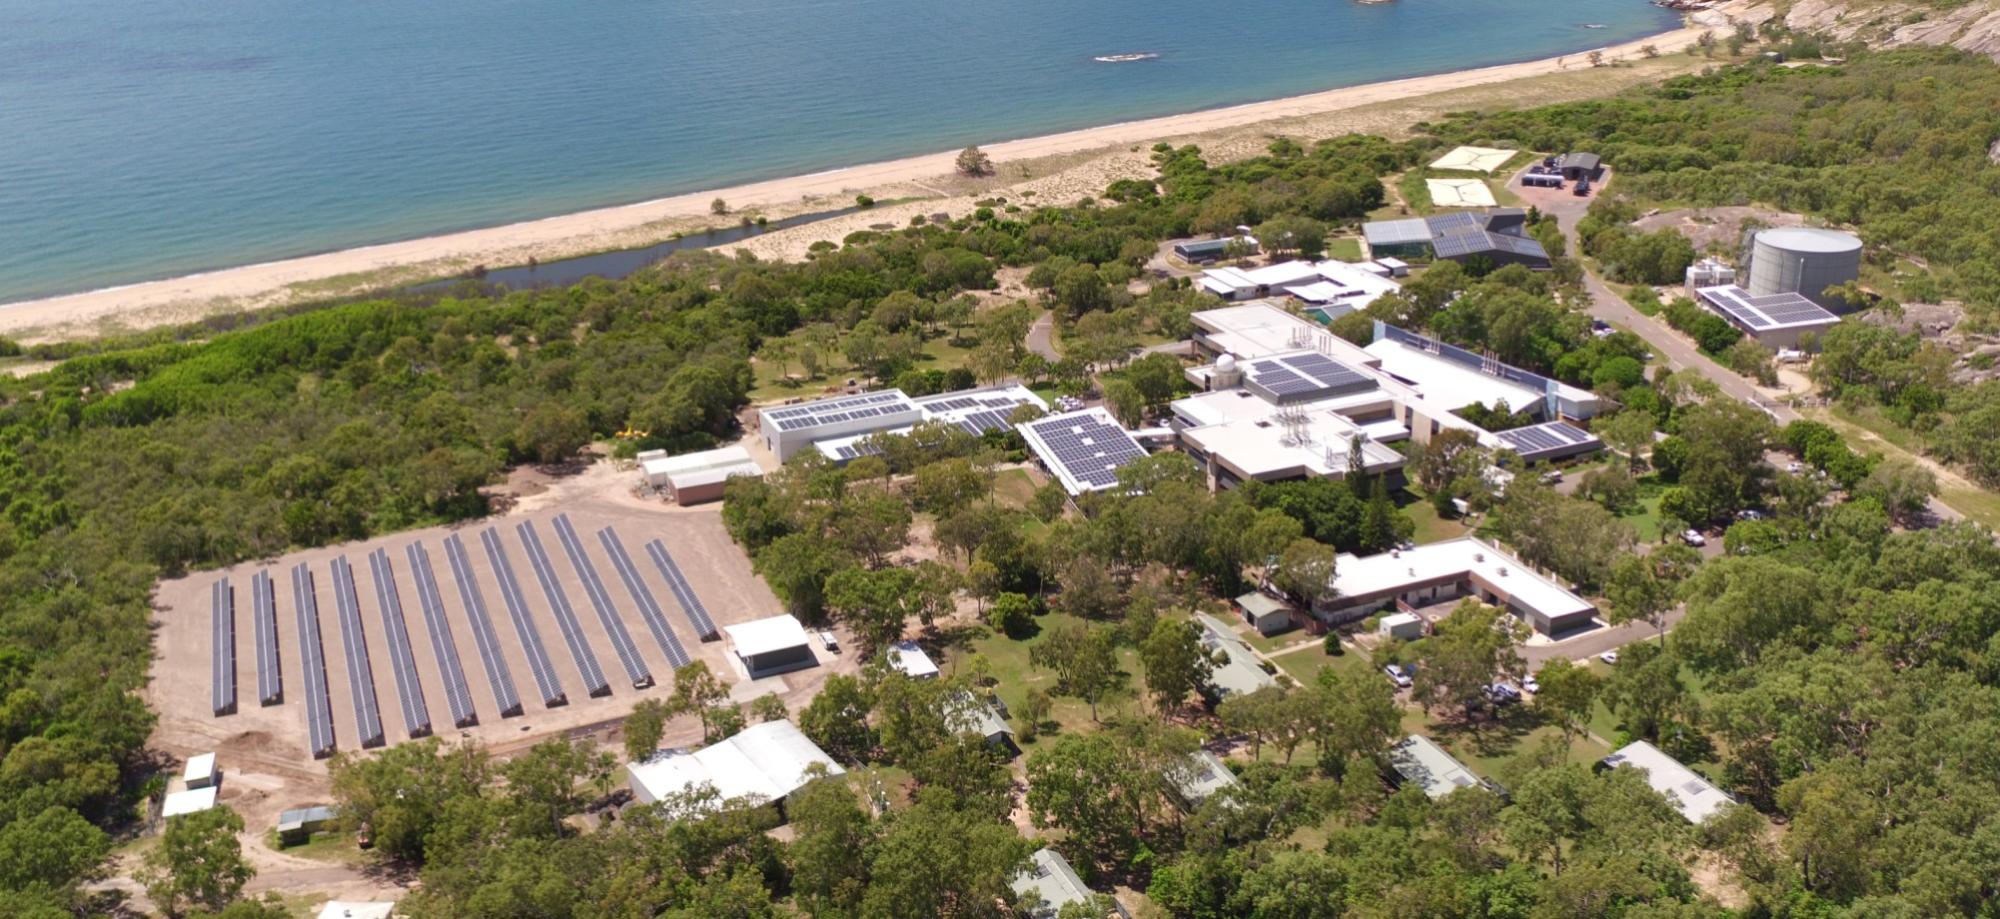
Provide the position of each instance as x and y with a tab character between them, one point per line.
1531	684
1552	476
1502	694
1609	657
829	642
1795	467
1693	538
1582	188
1749	513
1398	675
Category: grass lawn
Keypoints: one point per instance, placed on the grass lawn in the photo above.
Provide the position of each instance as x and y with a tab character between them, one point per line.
325	846
1430	526
1347	249
1645	520
1304	666
1008	660
834	370
1013	487
1276	642
1416	193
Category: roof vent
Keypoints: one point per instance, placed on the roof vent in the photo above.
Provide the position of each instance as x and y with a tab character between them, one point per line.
1413	572
1503	571
1479	556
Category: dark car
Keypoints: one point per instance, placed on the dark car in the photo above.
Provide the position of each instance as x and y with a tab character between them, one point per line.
1582	188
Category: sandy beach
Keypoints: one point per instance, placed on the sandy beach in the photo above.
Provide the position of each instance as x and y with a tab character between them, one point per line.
1054	168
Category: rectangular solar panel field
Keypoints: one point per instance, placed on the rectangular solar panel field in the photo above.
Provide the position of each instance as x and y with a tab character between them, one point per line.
697	614
600	600
360	669
579	647
402	660
312	661
517	609
264	613
642	596
222	633
443	646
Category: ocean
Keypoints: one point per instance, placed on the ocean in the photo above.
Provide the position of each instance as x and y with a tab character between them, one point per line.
143	139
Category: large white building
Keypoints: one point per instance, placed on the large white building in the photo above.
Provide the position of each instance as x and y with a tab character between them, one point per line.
1284	398
1337	287
763	763
768	647
1441	572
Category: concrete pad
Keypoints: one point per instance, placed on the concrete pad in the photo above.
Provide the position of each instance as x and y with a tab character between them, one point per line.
1460	193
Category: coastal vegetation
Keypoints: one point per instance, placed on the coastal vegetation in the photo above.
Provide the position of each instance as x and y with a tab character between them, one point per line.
1834	670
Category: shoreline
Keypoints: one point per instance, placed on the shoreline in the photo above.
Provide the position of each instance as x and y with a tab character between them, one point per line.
385	265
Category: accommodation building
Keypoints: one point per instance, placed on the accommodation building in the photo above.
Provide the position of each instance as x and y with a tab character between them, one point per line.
763	763
1204	251
1695	797
1419	759
1201	776
1235	669
1048	884
1265	613
908	658
1336	286
1441	572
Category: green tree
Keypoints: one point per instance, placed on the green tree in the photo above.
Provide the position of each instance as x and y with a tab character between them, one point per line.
698	692
644	728
1470	648
198	863
828	852
1305	571
974	162
51	851
1085	661
837	719
936	862
1567	696
1176	664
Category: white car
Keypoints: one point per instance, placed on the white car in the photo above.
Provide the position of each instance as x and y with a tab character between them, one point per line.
1795	467
829	642
1694	538
1609	657
1531	684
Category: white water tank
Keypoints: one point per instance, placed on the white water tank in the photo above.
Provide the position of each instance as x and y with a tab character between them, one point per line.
1803	260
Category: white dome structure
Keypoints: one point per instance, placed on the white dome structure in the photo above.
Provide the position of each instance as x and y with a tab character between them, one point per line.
1226	364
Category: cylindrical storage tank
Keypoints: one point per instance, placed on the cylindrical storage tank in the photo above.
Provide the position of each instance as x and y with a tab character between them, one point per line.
1803	260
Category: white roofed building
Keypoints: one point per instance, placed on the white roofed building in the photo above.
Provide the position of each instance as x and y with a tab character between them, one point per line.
763	763
1419	759
908	658
691	478
201	771
188	801
1082	449
1694	796
787	429
1441	572
768	647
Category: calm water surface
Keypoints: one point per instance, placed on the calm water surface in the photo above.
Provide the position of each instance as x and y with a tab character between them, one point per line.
149	138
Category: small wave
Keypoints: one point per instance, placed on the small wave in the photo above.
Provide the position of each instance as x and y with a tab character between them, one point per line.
1126	58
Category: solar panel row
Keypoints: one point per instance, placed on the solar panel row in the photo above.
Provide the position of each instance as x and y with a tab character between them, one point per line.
264	613
402	660
498	674
642	596
312	658
832	405
360	669
443	646
524	622
579	646
697	614
222	634
600	600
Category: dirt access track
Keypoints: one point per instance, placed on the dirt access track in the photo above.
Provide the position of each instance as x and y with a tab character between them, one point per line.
263	750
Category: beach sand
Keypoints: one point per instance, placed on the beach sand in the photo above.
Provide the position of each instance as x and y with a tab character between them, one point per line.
1056	169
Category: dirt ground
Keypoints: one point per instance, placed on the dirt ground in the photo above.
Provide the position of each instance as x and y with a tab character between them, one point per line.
1717	229
262	750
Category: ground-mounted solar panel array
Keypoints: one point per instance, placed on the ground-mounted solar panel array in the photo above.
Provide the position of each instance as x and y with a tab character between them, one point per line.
395	594
524	623
443	645
312	661
691	606
499	677
1549	440
642	597
222	639
1085	447
594	682
402	659
600	600
360	668
270	667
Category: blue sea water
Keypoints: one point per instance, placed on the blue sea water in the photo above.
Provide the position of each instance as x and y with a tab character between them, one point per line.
150	138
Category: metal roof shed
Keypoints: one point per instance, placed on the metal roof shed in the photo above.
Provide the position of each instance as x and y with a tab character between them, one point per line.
767	647
765	763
